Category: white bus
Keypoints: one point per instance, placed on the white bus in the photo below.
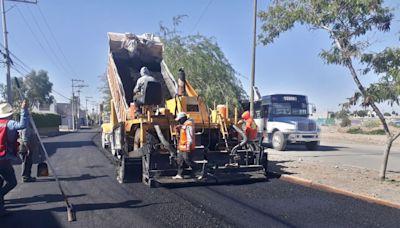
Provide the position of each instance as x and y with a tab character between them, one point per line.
283	119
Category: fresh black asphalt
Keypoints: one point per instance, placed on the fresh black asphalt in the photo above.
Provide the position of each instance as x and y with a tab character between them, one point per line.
88	177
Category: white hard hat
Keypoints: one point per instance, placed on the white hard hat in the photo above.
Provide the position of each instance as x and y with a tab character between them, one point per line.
5	110
180	116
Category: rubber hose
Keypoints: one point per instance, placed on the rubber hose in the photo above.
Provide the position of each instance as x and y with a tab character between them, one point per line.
244	140
166	144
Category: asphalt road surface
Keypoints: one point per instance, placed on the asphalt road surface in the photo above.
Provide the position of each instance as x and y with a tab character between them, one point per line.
88	177
356	154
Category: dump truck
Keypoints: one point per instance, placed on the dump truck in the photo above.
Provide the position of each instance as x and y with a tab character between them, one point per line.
146	143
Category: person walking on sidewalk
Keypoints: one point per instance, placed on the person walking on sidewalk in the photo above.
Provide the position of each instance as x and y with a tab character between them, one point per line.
26	153
9	148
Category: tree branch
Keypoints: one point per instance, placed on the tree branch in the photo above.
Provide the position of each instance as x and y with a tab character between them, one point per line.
396	136
364	93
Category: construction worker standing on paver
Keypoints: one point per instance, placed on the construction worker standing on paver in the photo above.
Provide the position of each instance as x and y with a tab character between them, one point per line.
251	127
26	153
138	91
186	144
9	148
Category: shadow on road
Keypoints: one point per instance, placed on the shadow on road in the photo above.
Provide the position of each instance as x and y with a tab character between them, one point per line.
47	198
321	148
45	217
101	206
52	147
77	178
30	218
277	167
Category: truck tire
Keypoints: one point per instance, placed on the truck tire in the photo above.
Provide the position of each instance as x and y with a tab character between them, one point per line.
136	140
312	145
278	141
112	144
115	152
104	145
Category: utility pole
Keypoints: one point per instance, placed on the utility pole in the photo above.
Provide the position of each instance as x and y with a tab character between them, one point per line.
95	111
7	52
253	63
72	106
79	98
73	101
87	111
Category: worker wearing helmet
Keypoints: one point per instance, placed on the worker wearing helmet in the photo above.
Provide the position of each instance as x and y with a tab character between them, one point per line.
138	91
251	127
187	143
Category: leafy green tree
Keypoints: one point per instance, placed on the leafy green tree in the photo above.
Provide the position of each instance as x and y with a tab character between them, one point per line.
346	122
348	23
35	86
106	92
344	113
206	67
362	113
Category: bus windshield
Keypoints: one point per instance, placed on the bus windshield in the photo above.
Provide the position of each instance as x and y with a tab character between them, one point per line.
289	109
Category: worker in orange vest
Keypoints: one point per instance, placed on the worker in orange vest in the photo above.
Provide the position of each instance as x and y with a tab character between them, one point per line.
251	127
187	143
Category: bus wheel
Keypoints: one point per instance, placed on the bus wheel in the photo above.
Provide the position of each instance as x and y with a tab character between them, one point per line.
278	141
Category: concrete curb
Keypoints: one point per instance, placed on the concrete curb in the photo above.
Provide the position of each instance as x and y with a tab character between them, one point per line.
327	188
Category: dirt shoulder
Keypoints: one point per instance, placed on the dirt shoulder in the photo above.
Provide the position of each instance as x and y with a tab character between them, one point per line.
337	134
354	179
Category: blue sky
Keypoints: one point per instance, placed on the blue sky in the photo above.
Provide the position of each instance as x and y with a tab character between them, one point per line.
290	65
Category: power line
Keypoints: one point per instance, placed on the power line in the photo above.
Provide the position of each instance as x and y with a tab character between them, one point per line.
47	42
52	90
16	58
55	41
60	94
36	38
201	15
195	25
17	70
12	63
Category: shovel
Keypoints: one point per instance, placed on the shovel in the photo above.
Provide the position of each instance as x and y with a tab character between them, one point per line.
42	169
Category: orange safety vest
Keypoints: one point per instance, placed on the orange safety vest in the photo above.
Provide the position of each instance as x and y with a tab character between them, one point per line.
183	143
251	127
4	139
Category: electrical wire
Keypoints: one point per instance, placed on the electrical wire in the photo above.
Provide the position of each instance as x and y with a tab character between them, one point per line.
16	59
55	40
201	15
48	43
55	61
52	90
36	38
